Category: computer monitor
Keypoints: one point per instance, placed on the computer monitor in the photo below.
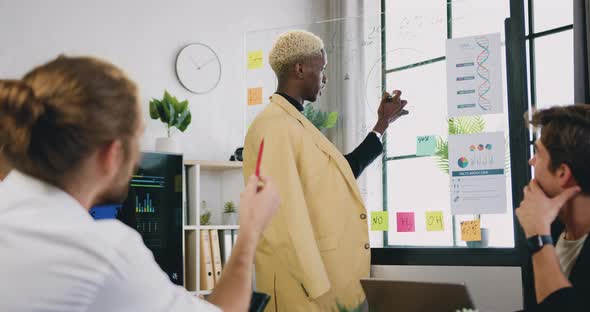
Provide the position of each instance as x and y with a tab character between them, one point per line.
154	208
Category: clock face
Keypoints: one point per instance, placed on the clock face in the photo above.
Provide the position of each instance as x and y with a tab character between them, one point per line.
198	68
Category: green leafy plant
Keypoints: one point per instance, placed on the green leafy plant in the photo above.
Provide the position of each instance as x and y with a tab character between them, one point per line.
173	113
320	119
458	125
229	207
205	218
341	308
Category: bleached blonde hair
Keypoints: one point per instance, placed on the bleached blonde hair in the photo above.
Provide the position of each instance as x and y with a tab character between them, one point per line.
291	47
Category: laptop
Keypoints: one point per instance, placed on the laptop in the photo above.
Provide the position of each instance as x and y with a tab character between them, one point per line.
387	295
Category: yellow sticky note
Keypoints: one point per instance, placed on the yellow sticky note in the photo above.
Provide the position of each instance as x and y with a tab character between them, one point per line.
379	221
255	59
470	231
434	221
254	96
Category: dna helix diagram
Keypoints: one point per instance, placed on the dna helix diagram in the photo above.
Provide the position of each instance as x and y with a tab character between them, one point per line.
483	72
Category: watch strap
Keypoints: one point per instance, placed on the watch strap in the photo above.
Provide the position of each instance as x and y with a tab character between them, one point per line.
536	242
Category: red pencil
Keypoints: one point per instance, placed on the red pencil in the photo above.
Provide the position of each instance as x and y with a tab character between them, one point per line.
259	161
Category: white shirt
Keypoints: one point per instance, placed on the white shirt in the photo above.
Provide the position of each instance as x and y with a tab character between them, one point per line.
55	257
568	251
379	135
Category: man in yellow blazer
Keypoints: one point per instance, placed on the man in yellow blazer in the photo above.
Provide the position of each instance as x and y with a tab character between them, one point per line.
316	248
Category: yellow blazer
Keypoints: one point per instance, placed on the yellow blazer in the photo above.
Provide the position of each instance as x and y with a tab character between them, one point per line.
316	249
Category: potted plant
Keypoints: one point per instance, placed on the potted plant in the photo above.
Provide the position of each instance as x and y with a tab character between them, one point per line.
320	119
230	214
206	218
205	215
341	308
173	114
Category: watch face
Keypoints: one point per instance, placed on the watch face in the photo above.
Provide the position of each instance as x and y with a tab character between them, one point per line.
198	68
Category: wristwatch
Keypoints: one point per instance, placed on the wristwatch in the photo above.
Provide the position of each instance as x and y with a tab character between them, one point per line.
536	242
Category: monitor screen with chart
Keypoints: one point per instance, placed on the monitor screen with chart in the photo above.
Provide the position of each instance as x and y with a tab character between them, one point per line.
154	208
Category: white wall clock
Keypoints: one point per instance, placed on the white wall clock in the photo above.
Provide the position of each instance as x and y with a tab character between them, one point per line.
198	68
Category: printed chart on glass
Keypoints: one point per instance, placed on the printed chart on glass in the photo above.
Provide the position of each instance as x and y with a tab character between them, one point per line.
474	75
478	185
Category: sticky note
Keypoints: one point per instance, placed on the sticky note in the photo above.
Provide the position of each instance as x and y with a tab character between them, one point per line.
470	231
379	221
254	96
255	59
434	221
405	222
425	145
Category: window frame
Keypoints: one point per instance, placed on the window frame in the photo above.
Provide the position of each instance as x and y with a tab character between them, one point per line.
393	255
521	98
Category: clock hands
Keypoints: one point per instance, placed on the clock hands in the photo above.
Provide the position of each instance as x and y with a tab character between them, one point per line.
195	63
201	66
207	62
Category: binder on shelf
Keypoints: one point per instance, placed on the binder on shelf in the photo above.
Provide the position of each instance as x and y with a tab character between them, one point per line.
234	234
226	245
216	255
207	281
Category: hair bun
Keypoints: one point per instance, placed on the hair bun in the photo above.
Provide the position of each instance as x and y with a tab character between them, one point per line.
20	109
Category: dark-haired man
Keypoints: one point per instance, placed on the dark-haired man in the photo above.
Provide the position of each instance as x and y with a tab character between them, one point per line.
560	190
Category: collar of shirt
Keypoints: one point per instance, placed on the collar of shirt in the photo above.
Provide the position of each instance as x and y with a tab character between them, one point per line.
17	181
291	100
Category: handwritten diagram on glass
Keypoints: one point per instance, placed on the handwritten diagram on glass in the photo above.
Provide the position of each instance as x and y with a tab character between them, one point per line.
474	75
476	163
347	45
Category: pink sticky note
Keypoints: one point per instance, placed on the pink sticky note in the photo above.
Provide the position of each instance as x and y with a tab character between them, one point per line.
405	222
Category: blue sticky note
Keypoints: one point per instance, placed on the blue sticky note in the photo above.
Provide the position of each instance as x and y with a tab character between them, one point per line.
425	145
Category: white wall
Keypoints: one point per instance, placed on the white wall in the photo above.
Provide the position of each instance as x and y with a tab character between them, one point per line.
143	37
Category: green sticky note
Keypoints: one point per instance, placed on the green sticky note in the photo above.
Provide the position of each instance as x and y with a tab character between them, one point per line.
379	221
434	221
425	145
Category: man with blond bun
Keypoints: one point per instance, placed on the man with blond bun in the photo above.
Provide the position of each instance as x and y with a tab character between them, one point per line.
316	249
71	129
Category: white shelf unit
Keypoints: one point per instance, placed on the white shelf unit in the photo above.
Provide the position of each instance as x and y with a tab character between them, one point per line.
219	227
216	182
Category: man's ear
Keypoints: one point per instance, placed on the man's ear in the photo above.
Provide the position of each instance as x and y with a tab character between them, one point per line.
110	156
565	176
299	70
